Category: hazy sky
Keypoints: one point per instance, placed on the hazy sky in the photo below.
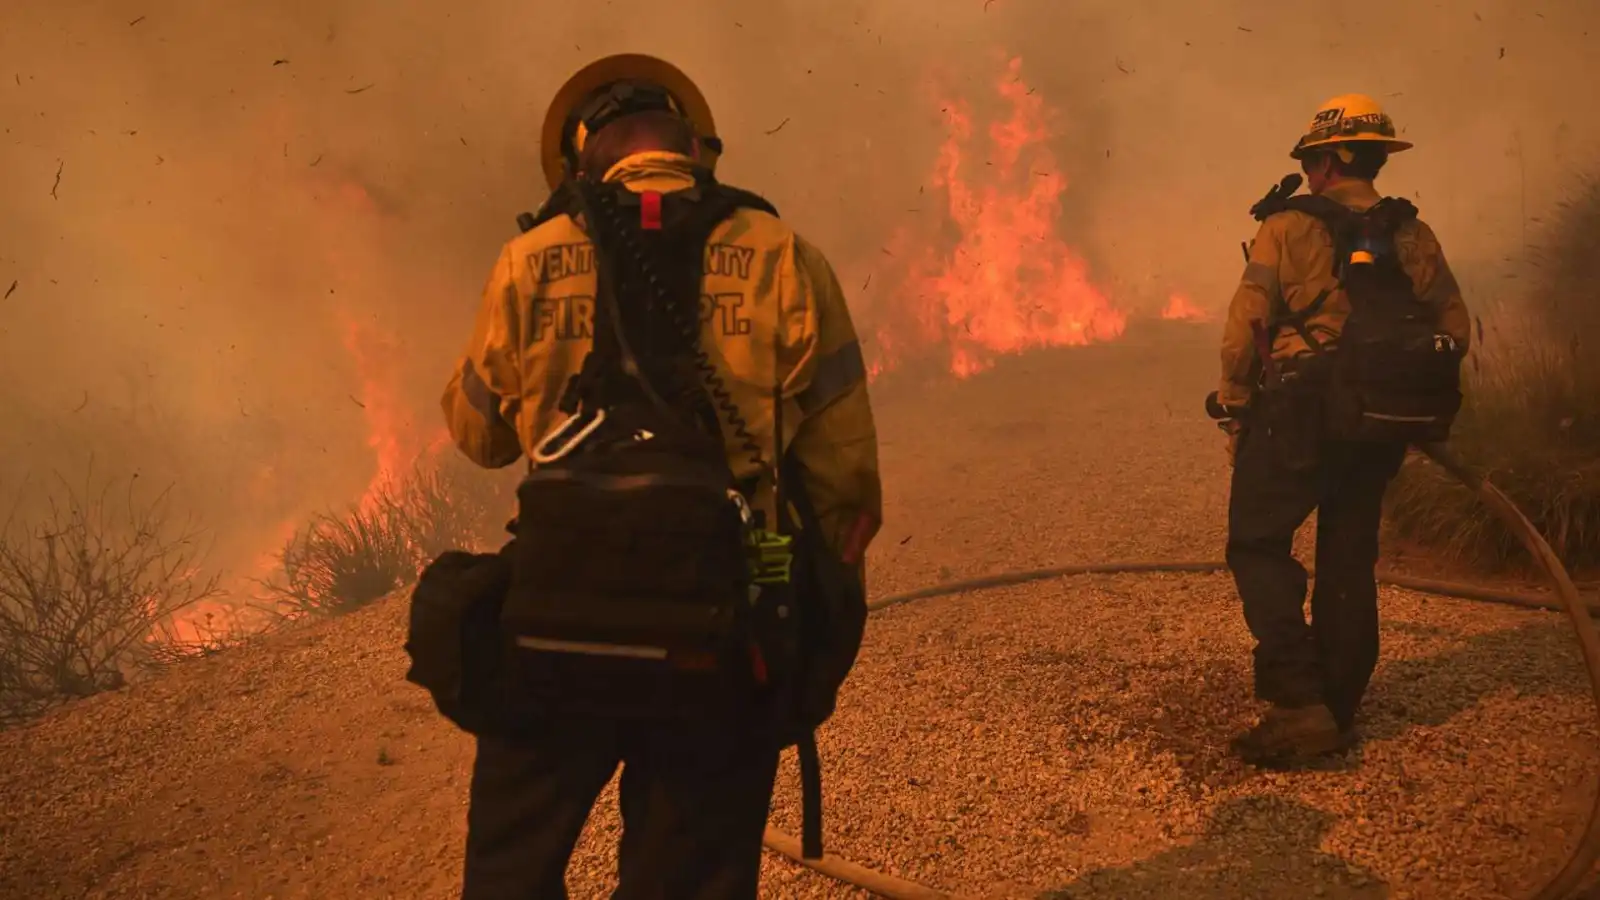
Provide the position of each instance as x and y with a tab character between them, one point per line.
241	196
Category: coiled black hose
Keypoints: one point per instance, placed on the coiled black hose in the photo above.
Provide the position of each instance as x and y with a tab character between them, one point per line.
684	317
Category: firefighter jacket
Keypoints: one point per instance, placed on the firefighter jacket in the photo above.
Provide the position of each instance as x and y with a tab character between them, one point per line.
772	312
1291	260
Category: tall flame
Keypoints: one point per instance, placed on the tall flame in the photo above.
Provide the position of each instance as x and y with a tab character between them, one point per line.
1007	282
986	274
394	446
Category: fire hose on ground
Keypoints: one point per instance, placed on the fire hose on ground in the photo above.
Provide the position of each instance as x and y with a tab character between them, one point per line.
1564	885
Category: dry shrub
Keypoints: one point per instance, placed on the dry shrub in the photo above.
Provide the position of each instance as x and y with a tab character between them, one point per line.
1531	420
342	562
451	506
226	628
82	588
1567	266
338	563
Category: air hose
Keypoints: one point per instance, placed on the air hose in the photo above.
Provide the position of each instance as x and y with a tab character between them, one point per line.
1564	885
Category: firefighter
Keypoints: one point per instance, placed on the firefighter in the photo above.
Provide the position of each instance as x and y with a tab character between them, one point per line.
695	803
1290	299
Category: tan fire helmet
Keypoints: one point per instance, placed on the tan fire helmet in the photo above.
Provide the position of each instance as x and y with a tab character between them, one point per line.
612	87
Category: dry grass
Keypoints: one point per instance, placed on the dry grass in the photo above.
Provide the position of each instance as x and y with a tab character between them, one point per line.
1531	420
82	589
1060	739
451	506
90	589
340	562
215	631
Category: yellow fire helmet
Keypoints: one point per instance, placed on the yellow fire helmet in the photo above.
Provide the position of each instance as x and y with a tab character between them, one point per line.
615	86
1347	118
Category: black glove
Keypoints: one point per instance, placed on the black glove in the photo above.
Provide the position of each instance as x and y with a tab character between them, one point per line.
1220	411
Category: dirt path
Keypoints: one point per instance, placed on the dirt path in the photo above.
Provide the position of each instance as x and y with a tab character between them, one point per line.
1054	740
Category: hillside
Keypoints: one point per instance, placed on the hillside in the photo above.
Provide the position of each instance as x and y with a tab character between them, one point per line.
1062	739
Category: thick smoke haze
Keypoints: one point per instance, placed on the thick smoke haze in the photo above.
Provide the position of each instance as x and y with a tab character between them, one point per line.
249	237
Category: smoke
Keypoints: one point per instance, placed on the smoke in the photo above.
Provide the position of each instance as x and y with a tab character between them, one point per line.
1566	267
238	186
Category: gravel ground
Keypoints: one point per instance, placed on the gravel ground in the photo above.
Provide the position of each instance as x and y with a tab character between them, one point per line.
1054	740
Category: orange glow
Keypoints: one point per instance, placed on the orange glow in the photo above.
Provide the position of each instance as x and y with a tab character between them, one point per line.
984	271
392	431
393	434
347	216
1180	307
192	625
393	446
1007	281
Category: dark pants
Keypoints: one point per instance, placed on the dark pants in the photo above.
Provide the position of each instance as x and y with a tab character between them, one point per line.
1331	660
694	809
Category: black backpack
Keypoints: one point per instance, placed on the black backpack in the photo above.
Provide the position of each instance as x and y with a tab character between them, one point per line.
626	589
1390	374
643	587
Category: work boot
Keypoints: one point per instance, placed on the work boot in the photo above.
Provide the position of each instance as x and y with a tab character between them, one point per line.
1287	736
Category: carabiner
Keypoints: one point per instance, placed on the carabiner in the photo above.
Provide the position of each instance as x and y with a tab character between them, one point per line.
746	514
542	455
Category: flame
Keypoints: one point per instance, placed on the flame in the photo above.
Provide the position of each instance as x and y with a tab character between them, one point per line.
392	446
194	624
392	433
347	214
270	559
1007	282
1180	307
988	275
189	626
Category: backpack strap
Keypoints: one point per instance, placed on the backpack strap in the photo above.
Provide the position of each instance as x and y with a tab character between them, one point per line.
1336	217
693	214
1372	229
611	358
648	271
810	760
1392	212
560	202
697	211
1388	214
1330	212
806	752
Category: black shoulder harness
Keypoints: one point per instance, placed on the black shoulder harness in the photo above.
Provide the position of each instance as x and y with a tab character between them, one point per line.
563	201
650	249
1345	225
1389	213
1331	212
